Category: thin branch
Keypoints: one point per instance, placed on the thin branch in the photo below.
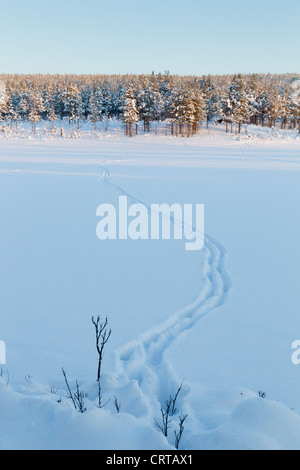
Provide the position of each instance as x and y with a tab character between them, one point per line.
117	404
69	389
178	435
102	337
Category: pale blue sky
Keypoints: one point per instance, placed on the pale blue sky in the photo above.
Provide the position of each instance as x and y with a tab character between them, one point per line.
130	36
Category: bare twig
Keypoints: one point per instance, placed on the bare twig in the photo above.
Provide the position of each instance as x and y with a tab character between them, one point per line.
69	389
165	414
102	337
178	435
77	397
117	404
174	409
168	411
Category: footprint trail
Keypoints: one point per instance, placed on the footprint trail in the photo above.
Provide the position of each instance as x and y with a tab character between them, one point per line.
143	359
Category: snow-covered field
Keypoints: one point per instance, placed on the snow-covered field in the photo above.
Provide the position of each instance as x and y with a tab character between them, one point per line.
221	320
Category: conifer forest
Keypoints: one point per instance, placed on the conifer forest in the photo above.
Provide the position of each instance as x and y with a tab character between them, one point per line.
181	103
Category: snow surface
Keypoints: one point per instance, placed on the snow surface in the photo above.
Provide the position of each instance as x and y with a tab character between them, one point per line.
222	320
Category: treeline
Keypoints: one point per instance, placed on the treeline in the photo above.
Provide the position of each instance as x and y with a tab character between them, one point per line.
183	103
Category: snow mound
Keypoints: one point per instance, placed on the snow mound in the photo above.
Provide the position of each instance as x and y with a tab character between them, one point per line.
254	424
225	420
39	422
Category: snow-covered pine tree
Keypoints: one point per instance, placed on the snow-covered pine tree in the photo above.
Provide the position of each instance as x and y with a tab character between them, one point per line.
85	96
24	106
52	117
95	107
189	116
239	109
34	118
261	106
275	107
10	111
36	107
200	108
186	109
107	99
150	105
242	112
59	102
293	104
72	104
130	111
3	109
37	102
177	110
253	88
285	110
47	97
209	92
226	110
166	86
116	99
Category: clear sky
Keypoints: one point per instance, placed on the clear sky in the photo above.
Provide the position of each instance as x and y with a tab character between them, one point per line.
137	36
